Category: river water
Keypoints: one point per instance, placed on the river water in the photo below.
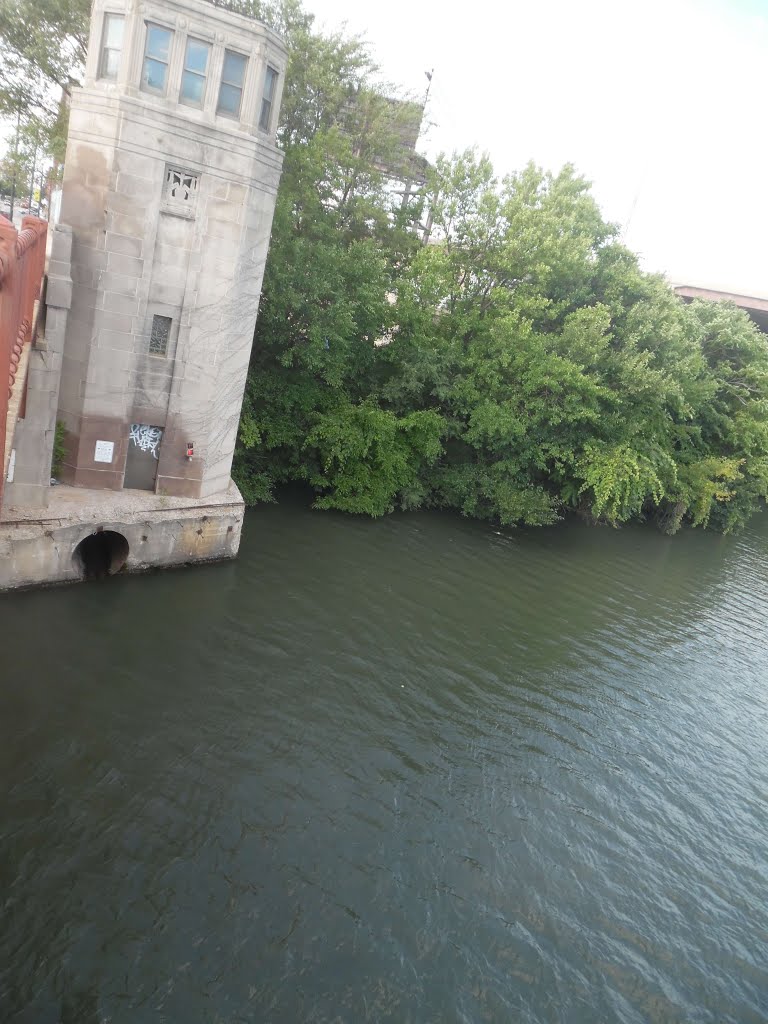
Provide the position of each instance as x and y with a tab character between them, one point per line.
413	770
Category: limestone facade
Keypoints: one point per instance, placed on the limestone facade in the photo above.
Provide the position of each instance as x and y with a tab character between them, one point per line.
170	182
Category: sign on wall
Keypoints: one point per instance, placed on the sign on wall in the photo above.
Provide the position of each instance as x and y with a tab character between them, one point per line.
104	451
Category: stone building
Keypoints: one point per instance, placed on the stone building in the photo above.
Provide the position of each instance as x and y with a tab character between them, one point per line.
154	280
169	188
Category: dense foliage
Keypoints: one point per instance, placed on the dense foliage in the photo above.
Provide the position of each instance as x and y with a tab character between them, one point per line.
529	367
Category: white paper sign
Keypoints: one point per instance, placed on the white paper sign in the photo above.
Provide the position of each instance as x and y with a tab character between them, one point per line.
104	451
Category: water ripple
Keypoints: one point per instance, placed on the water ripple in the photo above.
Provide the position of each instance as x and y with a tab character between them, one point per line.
411	771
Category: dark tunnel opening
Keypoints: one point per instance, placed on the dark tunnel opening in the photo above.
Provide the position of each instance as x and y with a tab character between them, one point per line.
101	554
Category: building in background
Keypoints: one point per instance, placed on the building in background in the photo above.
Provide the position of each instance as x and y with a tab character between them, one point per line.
756	308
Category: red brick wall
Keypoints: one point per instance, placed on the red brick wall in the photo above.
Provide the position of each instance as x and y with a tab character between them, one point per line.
22	264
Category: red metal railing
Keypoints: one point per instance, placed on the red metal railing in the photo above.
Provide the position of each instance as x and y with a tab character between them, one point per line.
22	264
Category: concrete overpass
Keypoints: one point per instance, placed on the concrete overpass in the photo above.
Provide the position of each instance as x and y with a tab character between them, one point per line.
756	308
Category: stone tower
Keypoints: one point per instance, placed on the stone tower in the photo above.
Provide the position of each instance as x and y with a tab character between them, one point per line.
169	189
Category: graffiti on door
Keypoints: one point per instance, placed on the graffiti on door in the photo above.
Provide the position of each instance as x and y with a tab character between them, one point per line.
146	438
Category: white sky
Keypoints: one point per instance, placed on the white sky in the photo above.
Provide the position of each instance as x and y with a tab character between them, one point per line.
662	104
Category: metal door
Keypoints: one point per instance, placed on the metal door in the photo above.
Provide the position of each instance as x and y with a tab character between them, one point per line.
141	464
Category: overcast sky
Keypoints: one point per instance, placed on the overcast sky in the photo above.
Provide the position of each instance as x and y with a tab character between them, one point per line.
662	104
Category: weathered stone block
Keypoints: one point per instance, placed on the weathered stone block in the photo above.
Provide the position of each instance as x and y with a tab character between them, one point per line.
122	284
109	321
117	263
125	244
129	223
59	292
107	344
115	302
133	185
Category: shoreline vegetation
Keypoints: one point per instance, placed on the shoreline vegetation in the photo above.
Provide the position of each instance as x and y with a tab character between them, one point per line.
477	342
519	368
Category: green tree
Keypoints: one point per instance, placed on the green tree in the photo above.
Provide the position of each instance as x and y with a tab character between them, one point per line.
44	47
568	378
339	237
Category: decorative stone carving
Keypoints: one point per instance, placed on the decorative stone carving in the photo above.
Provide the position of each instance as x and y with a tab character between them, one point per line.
181	186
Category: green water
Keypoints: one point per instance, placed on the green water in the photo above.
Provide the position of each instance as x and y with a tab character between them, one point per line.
413	770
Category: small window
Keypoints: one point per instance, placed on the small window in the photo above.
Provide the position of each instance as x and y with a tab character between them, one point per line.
157	54
232	78
267	100
111	46
161	332
195	70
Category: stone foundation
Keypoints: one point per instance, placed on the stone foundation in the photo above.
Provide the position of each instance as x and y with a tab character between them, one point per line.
139	531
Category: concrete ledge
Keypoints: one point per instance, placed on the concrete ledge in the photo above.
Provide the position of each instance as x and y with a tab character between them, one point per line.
37	546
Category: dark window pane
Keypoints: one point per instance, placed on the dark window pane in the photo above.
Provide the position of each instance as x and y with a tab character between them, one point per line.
269	84
158	42
154	74
161	331
266	114
192	88
111	45
234	68
197	56
113	31
110	64
229	99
